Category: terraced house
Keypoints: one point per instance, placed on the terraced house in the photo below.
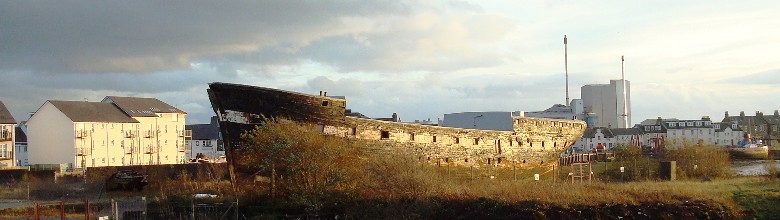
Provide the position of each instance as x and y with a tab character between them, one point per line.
7	128
115	132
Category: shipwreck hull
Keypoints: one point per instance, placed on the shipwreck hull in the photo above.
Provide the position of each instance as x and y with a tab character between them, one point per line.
533	140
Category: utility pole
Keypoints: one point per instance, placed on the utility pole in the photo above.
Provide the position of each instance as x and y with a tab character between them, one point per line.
566	66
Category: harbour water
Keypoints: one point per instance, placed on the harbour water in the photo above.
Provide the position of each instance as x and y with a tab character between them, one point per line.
753	167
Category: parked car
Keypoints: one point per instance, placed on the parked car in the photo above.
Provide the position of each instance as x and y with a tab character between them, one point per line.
126	180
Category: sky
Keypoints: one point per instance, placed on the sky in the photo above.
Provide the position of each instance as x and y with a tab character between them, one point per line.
418	58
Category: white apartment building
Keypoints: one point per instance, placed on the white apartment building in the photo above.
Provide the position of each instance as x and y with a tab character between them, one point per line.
7	136
607	137
161	128
206	140
116	132
603	104
728	134
689	132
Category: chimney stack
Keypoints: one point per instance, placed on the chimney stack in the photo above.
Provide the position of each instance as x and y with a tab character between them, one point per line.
727	114
658	121
777	113
324	93
741	114
320	92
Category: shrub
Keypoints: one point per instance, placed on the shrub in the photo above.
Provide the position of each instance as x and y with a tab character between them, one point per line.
305	166
699	161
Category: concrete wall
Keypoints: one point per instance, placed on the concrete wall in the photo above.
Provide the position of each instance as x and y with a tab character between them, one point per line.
51	137
606	102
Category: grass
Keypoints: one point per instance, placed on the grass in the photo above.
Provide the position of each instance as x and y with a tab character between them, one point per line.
344	179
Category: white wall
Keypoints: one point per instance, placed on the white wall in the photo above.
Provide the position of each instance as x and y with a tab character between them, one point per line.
50	137
606	102
498	121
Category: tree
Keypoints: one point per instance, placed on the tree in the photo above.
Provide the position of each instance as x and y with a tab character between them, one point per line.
300	161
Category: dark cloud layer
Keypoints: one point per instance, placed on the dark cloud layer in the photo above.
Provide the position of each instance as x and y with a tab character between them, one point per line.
147	36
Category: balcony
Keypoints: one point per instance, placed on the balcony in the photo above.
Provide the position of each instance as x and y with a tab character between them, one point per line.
149	134
131	134
5	135
181	147
132	150
184	133
150	149
83	151
82	134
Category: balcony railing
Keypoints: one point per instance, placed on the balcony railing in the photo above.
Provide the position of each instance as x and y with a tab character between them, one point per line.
5	135
132	150
181	147
82	134
149	134
83	151
184	133
150	149
130	134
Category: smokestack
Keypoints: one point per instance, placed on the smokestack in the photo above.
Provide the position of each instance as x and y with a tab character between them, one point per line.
625	97
566	66
727	114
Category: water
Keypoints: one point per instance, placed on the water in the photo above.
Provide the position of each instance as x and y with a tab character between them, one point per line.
752	167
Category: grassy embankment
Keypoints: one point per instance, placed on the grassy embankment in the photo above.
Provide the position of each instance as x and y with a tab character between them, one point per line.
306	173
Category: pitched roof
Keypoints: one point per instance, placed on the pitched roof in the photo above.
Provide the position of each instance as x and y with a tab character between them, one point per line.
141	107
591	132
5	115
80	111
626	131
205	131
20	135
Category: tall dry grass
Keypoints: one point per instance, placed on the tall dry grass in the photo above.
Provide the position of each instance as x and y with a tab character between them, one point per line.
314	172
699	161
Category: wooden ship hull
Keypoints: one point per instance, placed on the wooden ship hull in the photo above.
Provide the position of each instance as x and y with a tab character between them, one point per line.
532	140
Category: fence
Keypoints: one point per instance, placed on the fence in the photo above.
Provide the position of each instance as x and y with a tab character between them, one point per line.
584	158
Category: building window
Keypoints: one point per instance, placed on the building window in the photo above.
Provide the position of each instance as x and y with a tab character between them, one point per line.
4	151
384	134
325	103
457	140
476	141
434	139
354	131
411	136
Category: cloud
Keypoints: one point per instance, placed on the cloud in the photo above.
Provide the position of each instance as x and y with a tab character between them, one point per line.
769	77
143	36
139	37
